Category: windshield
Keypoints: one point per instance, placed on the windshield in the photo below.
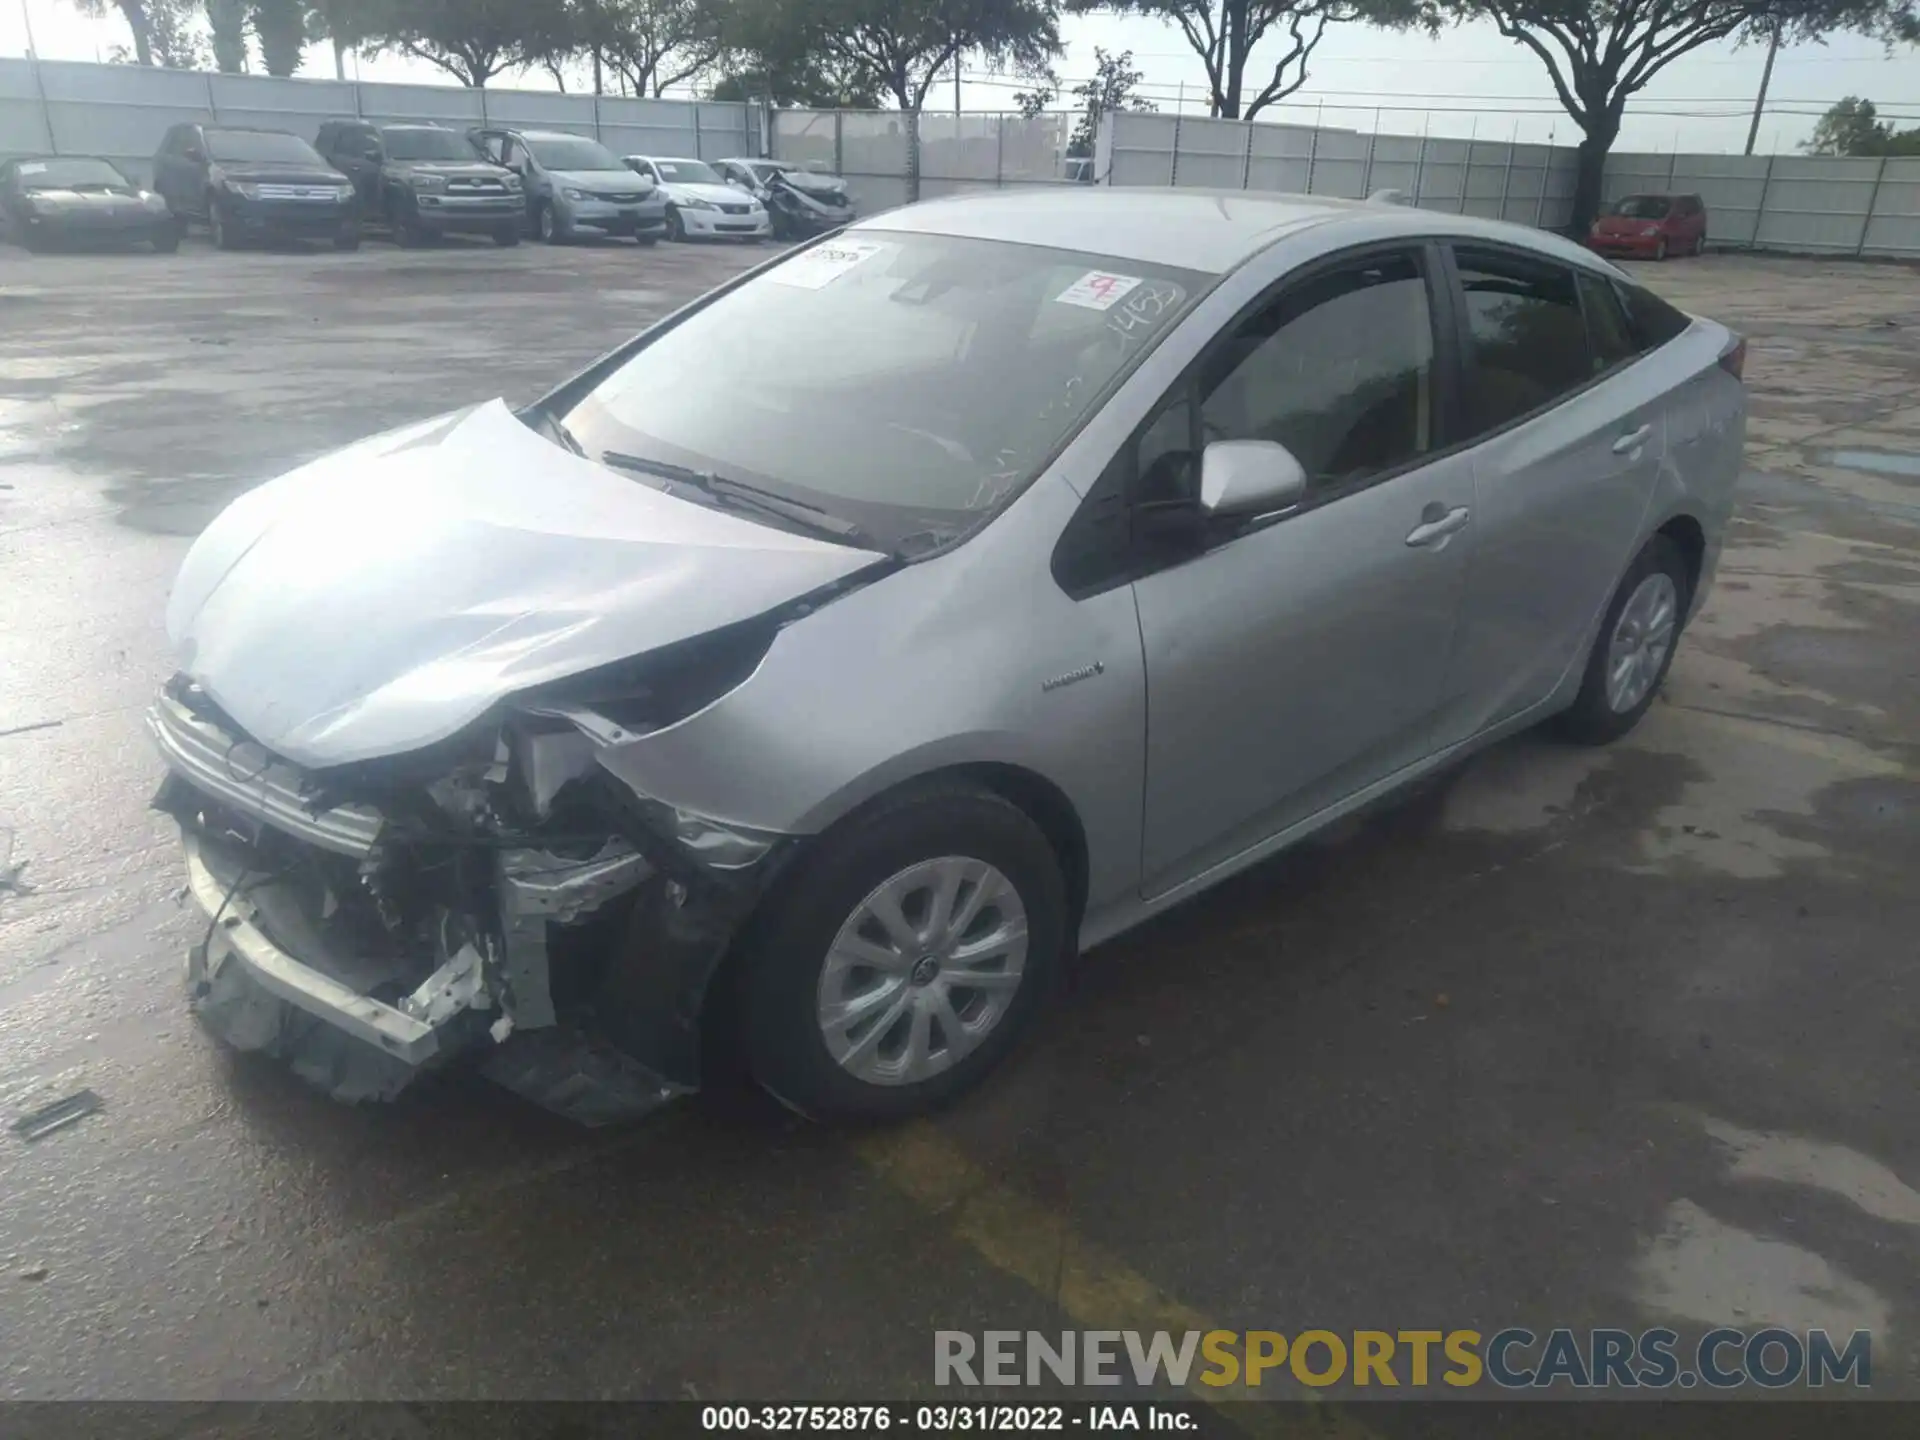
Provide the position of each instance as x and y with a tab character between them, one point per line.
230	145
906	383
687	172
68	174
570	154
1643	207
764	170
423	144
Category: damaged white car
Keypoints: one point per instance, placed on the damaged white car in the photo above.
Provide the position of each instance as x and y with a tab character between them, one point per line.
836	657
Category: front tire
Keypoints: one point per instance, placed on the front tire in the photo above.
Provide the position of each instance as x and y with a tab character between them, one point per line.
223	236
676	231
904	958
1634	647
545	226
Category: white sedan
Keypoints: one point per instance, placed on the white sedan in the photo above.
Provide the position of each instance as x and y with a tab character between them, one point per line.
700	203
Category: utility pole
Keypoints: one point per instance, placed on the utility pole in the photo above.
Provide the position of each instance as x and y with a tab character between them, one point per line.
956	87
1766	78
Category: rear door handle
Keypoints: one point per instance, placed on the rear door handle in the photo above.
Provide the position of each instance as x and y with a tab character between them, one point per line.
1632	440
1428	532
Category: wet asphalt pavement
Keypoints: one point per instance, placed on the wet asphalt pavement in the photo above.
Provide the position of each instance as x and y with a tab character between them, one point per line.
1585	1038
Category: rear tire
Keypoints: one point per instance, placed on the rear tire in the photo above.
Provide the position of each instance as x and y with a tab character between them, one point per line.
1660	248
545	227
1649	605
796	971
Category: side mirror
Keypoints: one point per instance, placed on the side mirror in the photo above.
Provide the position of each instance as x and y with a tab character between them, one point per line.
1250	477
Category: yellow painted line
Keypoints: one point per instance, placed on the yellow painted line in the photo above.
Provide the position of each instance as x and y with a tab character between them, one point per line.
1096	1289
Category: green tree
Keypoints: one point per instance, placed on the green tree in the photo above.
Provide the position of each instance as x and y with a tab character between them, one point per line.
1601	53
472	40
139	25
1225	33
1111	88
281	28
1851	127
227	20
652	44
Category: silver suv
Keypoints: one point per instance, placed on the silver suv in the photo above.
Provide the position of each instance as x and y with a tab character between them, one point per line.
576	186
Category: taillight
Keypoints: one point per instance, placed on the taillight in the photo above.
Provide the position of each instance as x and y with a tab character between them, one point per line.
1733	359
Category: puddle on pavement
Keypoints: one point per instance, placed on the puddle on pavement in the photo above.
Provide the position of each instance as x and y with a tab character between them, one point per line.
1822	1165
1702	1269
1879	462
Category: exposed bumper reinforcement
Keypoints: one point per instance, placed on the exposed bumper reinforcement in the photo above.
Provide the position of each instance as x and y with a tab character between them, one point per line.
235	940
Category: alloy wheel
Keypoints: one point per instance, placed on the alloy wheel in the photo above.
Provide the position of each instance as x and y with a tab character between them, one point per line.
922	971
1641	638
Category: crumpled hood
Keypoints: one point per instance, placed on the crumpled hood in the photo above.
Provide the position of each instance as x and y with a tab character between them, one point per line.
383	597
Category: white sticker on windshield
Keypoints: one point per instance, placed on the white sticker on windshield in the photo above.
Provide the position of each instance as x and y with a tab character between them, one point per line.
1096	290
825	263
33	167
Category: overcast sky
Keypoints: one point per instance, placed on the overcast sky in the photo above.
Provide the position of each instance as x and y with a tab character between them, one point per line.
1468	81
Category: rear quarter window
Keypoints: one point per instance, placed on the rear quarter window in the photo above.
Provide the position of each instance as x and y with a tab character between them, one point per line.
1653	320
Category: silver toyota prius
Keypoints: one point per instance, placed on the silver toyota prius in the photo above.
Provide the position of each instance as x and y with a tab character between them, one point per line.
827	665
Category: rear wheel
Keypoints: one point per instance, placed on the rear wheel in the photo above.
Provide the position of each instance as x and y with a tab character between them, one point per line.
904	959
1634	648
1660	248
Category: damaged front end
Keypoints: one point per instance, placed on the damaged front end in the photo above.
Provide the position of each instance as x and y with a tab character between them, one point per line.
500	895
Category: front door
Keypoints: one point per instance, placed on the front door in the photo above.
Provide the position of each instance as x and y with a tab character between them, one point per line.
1570	434
1295	663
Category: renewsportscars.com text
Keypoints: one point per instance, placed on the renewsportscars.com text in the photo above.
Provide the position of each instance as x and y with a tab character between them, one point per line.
1512	1359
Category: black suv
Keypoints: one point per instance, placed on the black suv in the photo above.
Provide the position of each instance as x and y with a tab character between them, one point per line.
253	185
425	180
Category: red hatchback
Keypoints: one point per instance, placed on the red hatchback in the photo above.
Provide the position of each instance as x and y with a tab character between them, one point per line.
1651	227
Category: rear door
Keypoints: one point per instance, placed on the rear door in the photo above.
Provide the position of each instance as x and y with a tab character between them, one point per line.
1297	661
1569	436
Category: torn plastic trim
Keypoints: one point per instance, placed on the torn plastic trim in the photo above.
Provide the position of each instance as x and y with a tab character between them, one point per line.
255	782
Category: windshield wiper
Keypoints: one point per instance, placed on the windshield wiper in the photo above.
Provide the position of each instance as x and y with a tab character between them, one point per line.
725	489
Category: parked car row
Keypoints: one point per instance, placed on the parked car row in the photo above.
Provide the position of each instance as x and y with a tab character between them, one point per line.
415	182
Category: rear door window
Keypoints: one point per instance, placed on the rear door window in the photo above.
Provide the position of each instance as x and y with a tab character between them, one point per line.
1526	335
1609	337
1654	321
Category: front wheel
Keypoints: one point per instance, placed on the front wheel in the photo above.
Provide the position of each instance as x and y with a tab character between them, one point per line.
905	958
545	226
675	230
1634	648
223	236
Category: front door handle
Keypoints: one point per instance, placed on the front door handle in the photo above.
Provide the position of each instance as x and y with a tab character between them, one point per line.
1437	523
1632	440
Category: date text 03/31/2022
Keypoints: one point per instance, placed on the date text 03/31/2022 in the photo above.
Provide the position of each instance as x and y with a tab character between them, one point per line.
940	1419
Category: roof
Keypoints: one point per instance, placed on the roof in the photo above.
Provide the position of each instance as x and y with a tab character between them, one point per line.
410	125
1209	230
538	134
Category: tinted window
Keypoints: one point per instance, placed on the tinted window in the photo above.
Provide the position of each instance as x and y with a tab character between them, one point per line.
63	174
1642	207
405	143
1339	370
260	145
1654	321
1609	338
1525	332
